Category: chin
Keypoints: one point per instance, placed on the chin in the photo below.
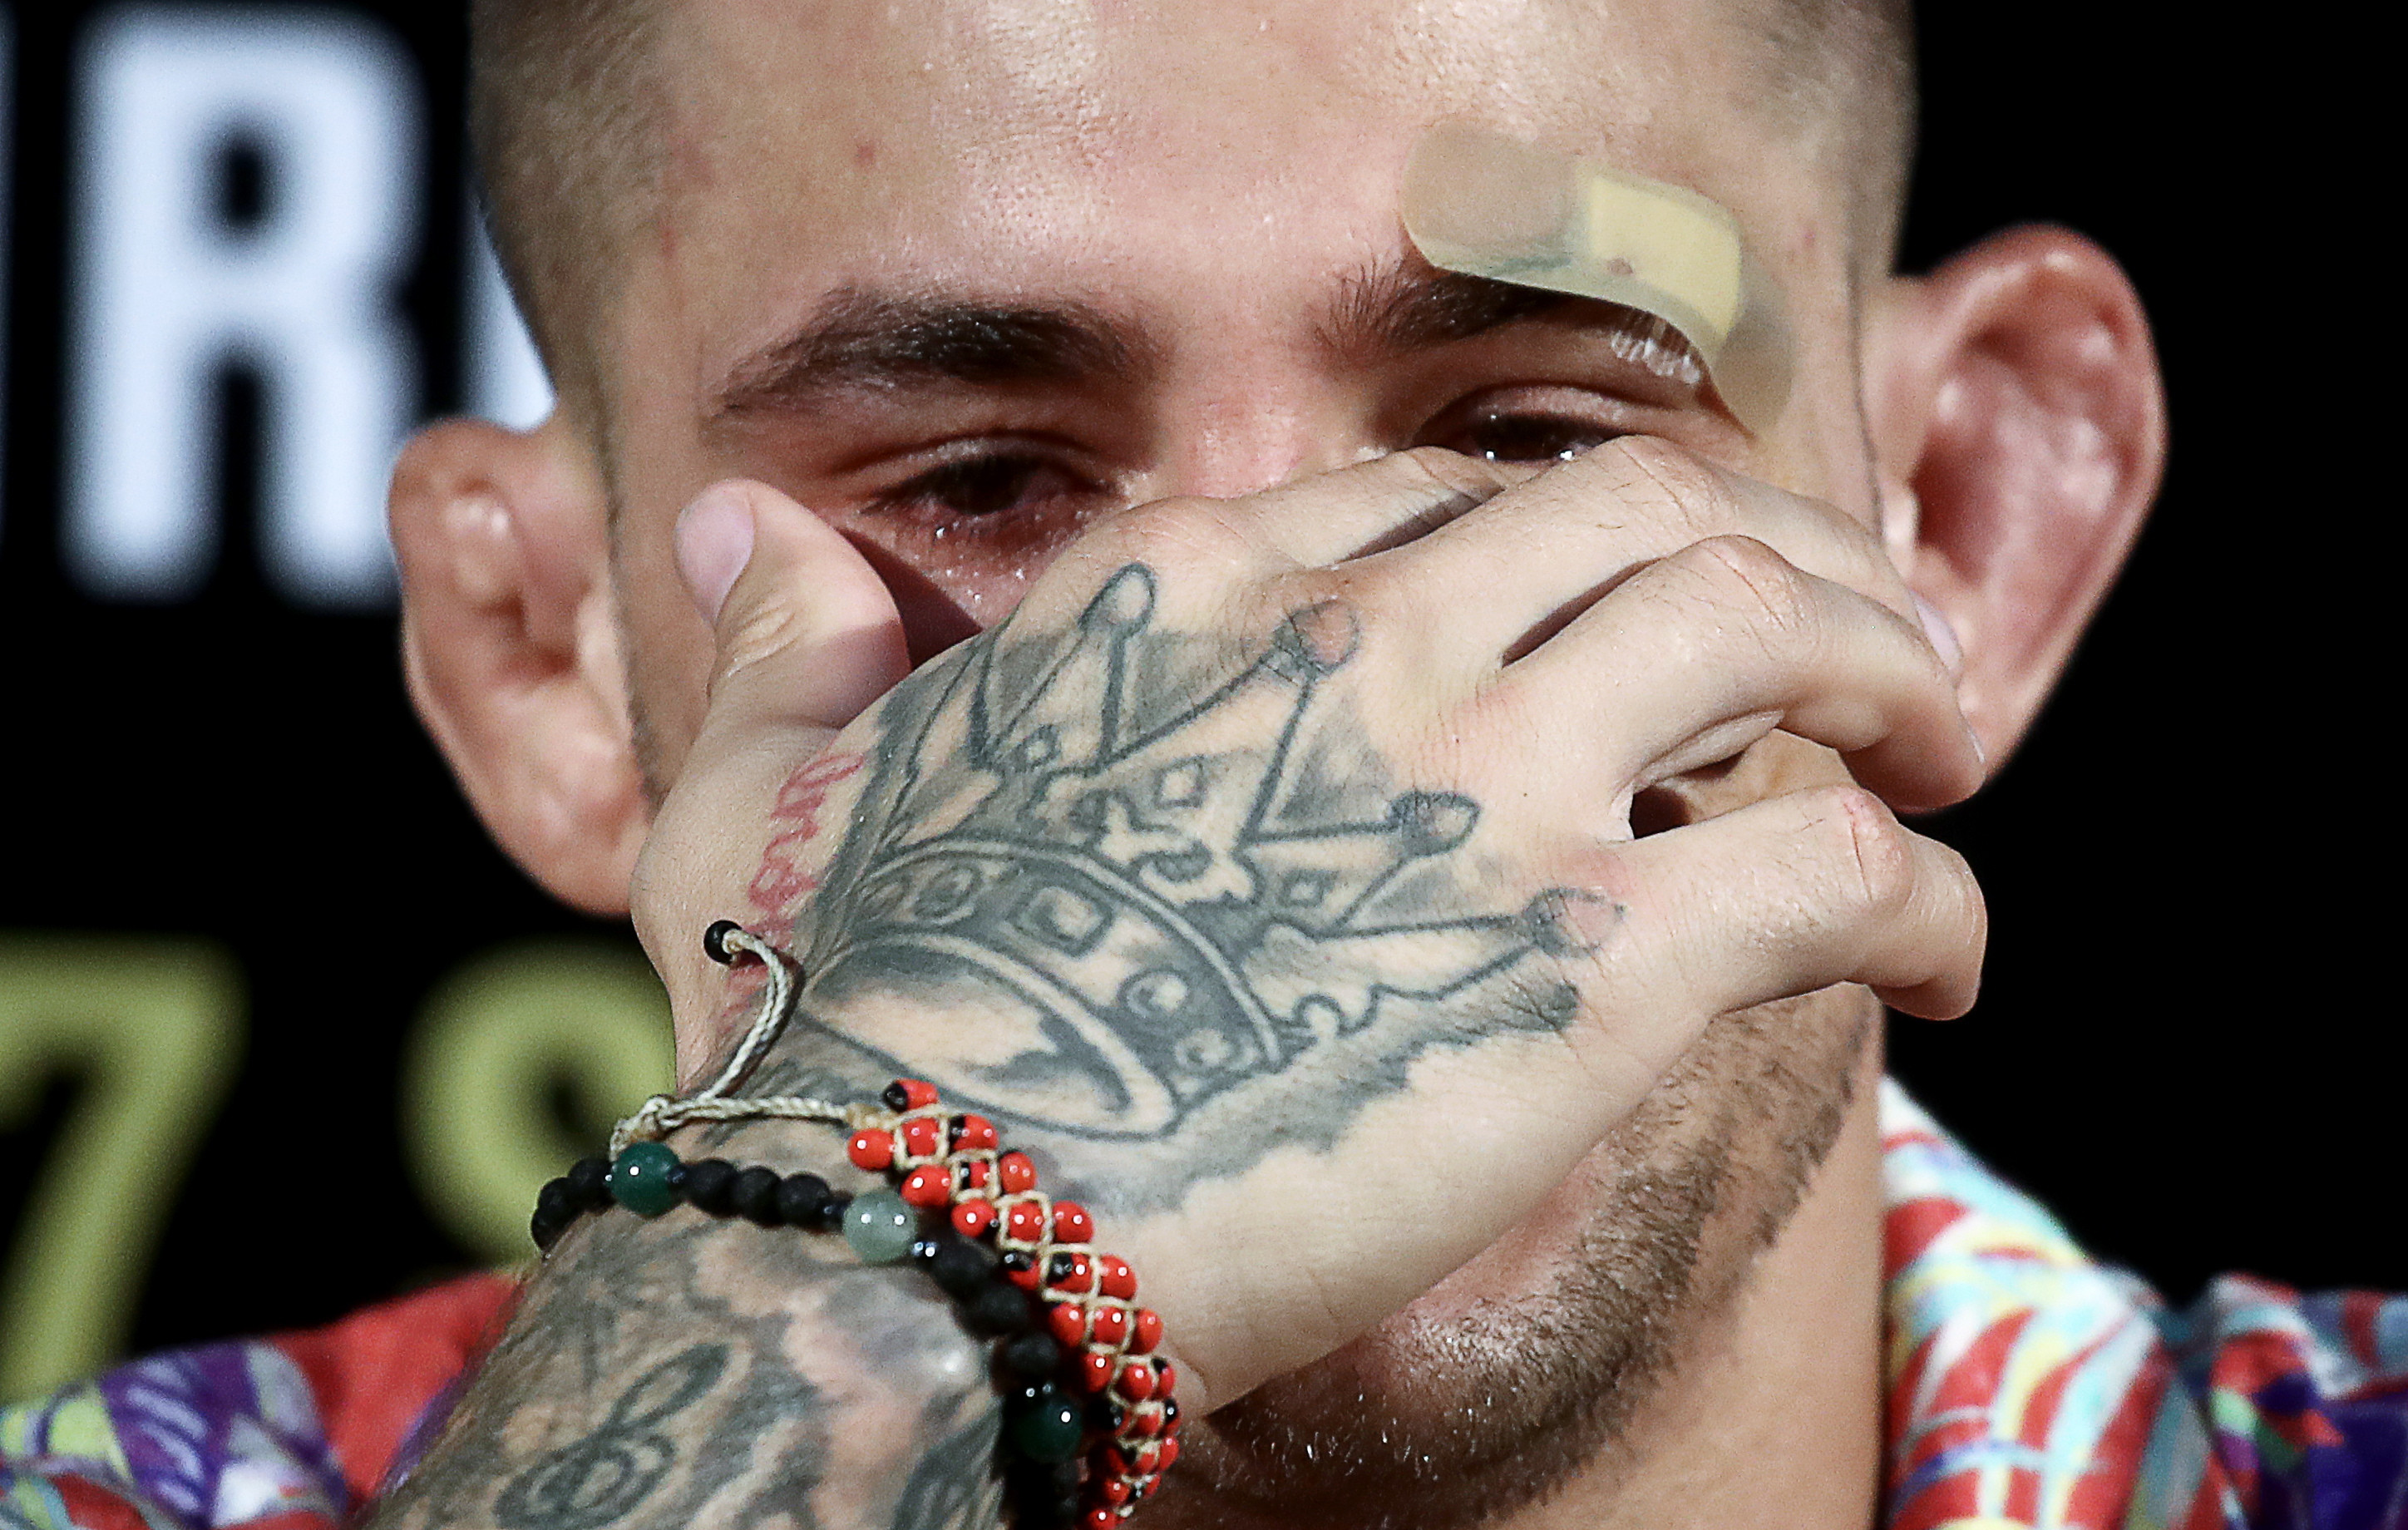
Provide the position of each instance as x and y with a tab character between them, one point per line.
1521	1371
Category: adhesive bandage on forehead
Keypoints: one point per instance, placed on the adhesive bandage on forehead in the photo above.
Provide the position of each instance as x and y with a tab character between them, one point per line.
1481	204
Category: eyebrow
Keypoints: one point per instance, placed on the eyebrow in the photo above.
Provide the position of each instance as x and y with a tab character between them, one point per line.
864	341
877	342
1403	307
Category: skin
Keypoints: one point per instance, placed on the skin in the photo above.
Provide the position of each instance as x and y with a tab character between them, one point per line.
1666	1261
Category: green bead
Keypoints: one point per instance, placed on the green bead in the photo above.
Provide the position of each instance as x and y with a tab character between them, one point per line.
1047	1430
639	1179
880	1228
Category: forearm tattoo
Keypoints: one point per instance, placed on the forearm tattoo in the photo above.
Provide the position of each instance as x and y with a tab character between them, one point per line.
689	1371
611	1470
1121	885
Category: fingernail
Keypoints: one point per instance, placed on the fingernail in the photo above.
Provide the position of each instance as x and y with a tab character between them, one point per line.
714	542
1941	637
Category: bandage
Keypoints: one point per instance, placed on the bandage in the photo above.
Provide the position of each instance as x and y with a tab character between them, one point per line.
1482	204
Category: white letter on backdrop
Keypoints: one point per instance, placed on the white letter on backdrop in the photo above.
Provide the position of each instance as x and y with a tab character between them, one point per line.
166	291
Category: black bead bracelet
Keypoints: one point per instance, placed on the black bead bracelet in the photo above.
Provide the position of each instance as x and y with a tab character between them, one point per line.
1043	1427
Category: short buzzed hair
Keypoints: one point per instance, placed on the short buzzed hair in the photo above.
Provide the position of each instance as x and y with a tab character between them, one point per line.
564	107
567	106
1846	68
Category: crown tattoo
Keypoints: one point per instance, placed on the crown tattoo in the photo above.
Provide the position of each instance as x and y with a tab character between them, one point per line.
1175	883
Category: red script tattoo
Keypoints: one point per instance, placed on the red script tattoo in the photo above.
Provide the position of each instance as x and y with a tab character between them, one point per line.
781	879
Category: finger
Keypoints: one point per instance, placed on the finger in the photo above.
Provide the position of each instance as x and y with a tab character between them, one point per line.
1699	656
1213	545
807	634
1527	560
1778	898
806	638
1783	898
1359	510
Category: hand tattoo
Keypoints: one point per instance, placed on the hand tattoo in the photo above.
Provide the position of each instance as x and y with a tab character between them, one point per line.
1132	878
1120	886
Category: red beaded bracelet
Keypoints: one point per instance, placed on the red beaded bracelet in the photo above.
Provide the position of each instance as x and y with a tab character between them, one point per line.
956	1163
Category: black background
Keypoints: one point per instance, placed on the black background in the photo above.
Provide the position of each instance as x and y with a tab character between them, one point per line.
2189	1043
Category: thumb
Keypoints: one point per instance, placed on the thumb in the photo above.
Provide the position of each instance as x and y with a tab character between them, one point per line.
808	638
809	634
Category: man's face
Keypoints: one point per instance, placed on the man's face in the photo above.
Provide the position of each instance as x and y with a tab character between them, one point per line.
965	284
1215	200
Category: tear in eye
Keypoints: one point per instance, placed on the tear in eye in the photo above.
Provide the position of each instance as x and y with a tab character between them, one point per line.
980	486
1532	437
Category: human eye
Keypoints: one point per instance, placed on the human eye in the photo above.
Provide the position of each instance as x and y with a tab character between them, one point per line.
987	484
1507	437
1557	425
987	492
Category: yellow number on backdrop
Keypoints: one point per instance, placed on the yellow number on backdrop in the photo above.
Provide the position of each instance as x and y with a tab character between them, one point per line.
152	1029
495	1042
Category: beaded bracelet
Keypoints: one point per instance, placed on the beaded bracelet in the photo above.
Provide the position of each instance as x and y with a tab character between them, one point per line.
1094	1462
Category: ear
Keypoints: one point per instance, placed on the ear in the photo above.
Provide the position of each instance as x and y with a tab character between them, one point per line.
2018	431
511	642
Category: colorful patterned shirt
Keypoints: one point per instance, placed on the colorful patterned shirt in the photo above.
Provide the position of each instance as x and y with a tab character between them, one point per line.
2028	1387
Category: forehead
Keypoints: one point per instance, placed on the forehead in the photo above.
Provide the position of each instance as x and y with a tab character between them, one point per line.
1152	148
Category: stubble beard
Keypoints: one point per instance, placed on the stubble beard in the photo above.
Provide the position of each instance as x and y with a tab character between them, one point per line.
1454	1413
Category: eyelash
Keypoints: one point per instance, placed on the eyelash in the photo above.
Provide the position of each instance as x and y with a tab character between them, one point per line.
1567	436
1529	436
975	476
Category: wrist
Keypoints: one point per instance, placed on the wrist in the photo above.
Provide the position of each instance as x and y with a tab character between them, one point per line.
1089	1423
690	1371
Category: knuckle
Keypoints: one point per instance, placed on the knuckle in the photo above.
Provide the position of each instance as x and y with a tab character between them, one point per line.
1498	717
1957	873
1846	549
1196	538
1600	888
1444	475
1168	530
1863	552
1379	601
758	636
1542	997
1875	851
1745	575
1681	489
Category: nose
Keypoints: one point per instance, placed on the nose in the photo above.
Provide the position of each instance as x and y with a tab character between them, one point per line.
1269	428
